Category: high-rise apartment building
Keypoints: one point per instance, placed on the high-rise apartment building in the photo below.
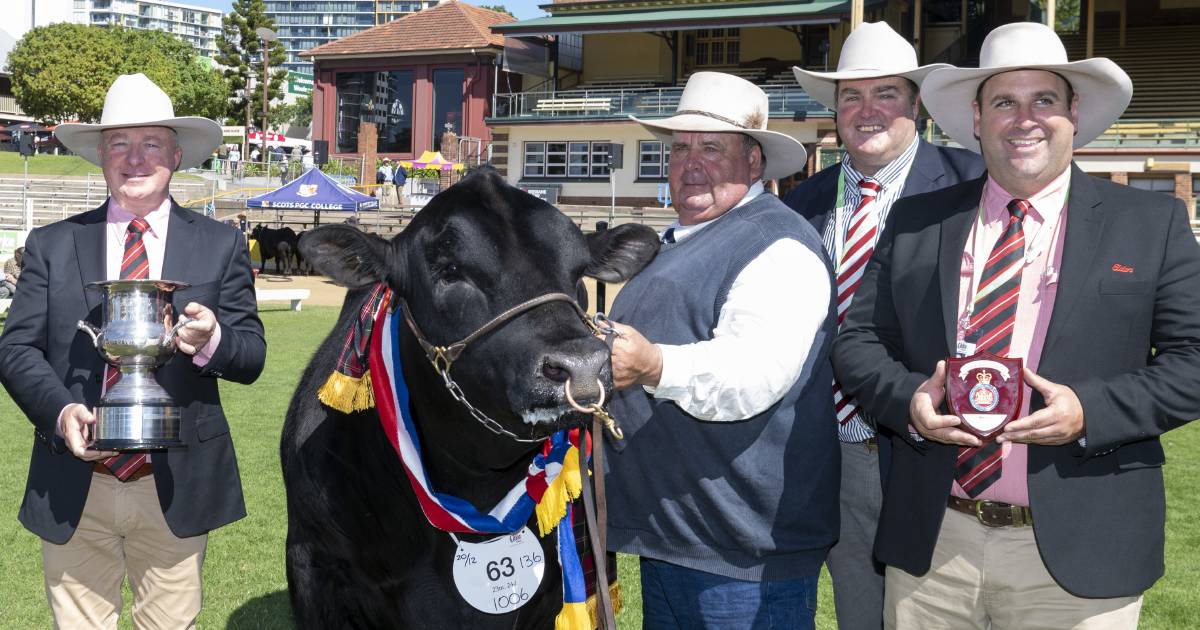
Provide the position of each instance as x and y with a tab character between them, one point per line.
305	24
199	26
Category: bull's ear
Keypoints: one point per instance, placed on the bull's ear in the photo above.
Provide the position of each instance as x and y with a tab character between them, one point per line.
620	252
350	256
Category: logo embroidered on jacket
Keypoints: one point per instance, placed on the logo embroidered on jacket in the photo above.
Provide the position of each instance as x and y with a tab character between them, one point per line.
1119	268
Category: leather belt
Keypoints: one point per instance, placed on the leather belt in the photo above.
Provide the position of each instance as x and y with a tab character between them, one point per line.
142	471
871	443
993	513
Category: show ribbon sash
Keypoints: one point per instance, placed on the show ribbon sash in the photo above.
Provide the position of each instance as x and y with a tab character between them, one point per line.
348	388
552	481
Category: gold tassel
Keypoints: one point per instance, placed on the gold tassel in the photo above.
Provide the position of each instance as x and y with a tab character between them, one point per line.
573	617
346	393
618	603
565	488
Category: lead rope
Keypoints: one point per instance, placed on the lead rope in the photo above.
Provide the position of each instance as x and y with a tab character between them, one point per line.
594	502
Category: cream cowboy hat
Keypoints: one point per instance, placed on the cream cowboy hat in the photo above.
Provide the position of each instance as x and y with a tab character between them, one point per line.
872	51
1103	87
714	102
134	100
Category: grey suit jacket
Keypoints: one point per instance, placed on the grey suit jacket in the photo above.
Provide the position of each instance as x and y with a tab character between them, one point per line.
46	363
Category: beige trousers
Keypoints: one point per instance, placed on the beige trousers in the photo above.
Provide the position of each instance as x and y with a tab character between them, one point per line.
122	531
993	578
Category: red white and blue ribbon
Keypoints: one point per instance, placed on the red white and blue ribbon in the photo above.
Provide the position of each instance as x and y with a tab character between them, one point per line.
548	487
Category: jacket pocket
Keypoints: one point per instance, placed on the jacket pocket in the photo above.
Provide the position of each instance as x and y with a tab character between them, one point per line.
211	426
1144	454
196	292
1125	286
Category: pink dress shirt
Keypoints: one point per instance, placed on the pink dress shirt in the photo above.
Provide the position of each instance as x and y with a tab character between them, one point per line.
1045	229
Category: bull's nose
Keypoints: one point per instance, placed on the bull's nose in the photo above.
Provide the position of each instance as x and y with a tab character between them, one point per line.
583	365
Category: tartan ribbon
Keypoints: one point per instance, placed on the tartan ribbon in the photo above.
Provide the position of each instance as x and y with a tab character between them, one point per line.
348	387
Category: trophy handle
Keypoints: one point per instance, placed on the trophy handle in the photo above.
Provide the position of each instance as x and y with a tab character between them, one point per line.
92	332
170	336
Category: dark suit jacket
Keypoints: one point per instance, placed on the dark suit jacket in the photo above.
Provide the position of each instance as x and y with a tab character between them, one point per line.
933	167
46	363
1127	343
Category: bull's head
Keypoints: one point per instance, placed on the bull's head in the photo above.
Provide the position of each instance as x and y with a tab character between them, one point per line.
475	251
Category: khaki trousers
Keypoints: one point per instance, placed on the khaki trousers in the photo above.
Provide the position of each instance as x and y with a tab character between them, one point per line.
993	578
122	531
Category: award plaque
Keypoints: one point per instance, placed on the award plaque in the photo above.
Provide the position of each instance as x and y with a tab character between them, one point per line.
985	392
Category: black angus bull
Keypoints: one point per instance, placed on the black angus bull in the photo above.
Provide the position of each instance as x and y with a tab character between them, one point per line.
280	244
360	552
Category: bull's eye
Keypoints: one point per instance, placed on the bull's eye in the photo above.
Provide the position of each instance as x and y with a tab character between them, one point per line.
449	272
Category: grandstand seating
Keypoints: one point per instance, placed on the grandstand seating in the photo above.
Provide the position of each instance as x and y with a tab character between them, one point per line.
1163	61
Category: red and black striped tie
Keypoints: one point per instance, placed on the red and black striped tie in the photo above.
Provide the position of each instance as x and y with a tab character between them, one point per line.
994	316
135	265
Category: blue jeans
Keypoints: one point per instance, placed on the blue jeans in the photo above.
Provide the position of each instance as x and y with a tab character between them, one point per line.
676	598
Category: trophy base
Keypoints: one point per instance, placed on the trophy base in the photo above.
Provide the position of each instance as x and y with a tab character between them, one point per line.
134	445
142	427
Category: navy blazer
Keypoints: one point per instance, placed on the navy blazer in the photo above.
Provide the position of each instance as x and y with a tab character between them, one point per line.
933	167
1124	335
46	363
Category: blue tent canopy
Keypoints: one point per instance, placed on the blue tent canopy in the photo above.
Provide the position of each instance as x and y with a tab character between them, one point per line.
314	190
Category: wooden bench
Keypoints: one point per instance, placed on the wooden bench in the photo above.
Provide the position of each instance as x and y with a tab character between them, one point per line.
572	104
295	296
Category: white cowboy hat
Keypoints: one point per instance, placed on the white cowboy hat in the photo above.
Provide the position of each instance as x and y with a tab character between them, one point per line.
714	102
1103	87
134	100
872	51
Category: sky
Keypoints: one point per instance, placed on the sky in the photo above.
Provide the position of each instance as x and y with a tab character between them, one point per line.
523	9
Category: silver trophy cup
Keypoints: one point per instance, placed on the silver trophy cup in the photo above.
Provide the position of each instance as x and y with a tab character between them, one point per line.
137	414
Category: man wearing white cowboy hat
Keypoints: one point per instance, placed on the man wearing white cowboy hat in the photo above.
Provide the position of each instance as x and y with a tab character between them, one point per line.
103	516
875	96
724	337
1058	523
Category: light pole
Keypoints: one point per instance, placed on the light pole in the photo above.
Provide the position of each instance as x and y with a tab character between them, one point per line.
267	36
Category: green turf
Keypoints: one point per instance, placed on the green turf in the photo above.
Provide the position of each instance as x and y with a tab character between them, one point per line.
12	163
243	573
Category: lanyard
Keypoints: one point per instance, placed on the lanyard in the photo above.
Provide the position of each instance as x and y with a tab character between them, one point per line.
839	222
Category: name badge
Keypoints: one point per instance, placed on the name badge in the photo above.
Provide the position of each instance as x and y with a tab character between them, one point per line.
499	575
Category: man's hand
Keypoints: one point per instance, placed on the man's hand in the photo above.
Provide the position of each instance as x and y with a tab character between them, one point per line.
1059	422
635	361
73	426
196	333
923	412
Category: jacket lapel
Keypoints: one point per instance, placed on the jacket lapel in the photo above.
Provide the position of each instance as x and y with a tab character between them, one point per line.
926	171
179	257
90	244
1085	224
955	229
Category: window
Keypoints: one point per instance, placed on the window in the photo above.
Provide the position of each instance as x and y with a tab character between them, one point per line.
1156	184
577	159
384	98
447	103
652	160
715	46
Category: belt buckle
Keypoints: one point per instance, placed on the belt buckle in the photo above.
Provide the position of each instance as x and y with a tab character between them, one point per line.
982	503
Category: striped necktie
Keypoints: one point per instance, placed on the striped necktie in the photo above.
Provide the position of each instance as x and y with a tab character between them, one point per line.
135	265
992	322
859	244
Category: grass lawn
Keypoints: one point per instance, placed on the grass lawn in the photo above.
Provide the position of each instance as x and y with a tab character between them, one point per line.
11	162
244	574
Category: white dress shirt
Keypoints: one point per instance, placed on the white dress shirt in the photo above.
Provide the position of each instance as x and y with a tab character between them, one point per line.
763	335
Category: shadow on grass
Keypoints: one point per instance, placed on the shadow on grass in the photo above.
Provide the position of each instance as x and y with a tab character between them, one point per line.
267	612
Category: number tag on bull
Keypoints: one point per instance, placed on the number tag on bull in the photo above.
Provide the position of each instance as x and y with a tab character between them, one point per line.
500	575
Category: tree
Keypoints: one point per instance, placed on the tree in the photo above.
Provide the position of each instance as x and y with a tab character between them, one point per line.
63	71
498	9
298	114
240	51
